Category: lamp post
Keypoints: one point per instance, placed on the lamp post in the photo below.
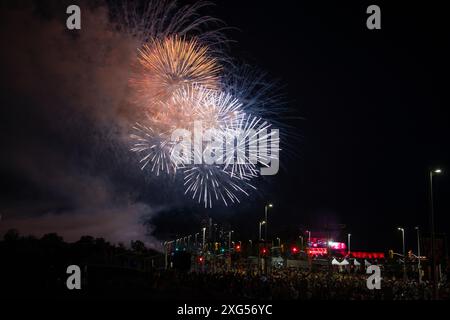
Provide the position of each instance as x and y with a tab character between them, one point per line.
196	239
404	253
229	240
418	254
301	242
348	241
433	240
204	238
266	207
279	241
260	224
309	236
165	255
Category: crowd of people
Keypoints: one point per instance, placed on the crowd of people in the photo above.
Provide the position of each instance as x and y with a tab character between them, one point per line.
290	284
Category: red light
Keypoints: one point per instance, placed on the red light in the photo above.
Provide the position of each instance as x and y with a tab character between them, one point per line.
200	259
294	250
238	248
264	250
368	255
317	251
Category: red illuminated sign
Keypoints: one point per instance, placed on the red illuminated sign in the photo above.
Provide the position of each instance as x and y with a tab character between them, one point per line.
324	243
317	251
337	245
367	255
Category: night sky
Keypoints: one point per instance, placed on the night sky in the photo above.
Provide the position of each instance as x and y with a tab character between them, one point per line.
375	107
371	116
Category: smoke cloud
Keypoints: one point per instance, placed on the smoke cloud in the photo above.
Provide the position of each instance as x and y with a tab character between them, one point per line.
64	126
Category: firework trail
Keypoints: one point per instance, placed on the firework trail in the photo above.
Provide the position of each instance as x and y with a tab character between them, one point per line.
160	19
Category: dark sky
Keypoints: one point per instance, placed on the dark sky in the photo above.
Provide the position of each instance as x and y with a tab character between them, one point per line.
374	104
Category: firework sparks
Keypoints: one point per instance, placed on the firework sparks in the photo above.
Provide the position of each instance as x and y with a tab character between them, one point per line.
248	137
178	84
209	183
159	19
237	143
173	63
155	147
212	107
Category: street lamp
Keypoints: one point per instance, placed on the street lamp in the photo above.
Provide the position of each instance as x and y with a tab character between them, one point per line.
433	240
309	236
279	242
260	224
348	240
267	206
418	254
165	255
229	239
204	236
404	253
301	239
196	239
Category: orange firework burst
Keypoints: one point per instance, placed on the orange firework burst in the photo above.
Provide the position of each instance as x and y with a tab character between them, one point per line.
171	64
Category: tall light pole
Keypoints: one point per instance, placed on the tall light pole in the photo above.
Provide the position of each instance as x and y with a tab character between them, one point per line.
260	224
433	238
418	254
348	241
204	238
404	253
229	240
301	243
267	206
309	236
165	255
279	241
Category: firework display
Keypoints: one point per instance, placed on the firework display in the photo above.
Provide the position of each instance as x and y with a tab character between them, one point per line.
186	99
173	63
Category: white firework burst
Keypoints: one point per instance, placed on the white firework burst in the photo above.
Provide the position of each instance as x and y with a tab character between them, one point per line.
249	137
155	149
209	183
